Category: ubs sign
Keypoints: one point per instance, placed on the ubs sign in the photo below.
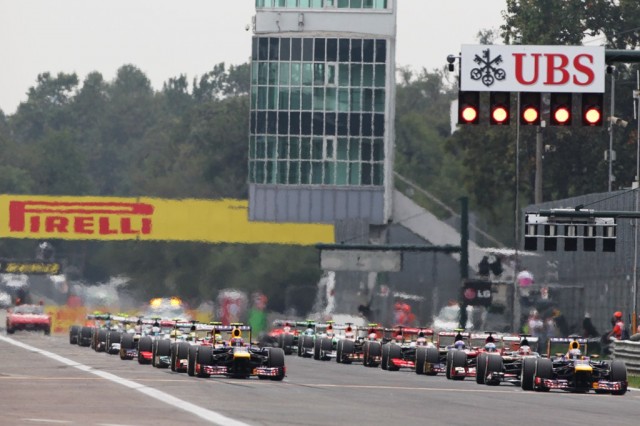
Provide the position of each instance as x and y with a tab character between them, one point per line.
514	68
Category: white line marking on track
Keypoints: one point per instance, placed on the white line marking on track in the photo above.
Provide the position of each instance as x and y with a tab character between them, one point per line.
66	422
209	415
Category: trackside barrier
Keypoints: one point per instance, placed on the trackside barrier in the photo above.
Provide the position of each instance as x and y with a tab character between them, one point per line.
629	352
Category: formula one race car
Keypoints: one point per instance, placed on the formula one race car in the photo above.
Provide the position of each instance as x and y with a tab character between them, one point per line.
360	344
154	346
318	340
432	360
400	351
502	361
235	358
574	371
287	334
28	317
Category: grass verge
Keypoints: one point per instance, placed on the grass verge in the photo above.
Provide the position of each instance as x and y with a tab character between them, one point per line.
634	381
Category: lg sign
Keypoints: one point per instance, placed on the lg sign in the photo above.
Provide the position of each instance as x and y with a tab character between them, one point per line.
575	69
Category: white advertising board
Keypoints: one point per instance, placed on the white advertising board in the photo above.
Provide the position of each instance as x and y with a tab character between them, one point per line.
361	260
522	68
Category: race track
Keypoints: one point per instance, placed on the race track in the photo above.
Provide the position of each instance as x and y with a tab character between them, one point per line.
45	380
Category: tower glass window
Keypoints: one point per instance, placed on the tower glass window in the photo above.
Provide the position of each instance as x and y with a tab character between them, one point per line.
317	106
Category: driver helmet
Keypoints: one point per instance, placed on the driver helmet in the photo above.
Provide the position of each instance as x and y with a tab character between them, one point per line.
490	347
524	350
575	354
459	344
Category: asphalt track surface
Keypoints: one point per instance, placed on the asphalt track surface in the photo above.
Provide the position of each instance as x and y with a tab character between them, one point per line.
45	380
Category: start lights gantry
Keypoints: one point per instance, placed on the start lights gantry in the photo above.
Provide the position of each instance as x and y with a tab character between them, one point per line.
525	75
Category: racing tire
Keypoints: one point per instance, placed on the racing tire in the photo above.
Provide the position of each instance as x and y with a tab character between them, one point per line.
163	348
10	330
371	352
126	342
394	352
301	345
309	342
618	373
316	349
174	356
384	363
339	351
326	345
481	368
182	352
494	364
432	358
528	373
275	359
421	359
47	331
544	370
154	345
447	370
204	356
287	344
74	332
458	359
191	360
101	340
85	336
113	336
145	344
348	349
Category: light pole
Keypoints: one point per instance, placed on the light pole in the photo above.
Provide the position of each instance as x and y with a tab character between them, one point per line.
636	104
611	70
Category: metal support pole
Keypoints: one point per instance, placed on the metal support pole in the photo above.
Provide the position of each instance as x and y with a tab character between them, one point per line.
538	179
636	96
611	114
515	305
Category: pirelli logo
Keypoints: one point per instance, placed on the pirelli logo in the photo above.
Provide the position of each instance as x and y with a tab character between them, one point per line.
80	218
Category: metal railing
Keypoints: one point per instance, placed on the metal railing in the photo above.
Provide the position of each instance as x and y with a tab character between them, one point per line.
629	352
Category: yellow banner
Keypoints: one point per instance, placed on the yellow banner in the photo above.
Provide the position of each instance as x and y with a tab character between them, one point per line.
147	219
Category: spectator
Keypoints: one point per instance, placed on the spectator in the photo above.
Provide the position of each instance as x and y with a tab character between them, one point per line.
619	330
561	323
484	268
536	326
525	281
496	267
588	329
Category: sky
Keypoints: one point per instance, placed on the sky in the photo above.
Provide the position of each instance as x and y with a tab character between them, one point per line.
168	38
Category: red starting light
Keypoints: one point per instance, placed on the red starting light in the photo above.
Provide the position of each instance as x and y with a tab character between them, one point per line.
530	115
560	107
469	114
592	116
499	107
592	107
530	108
468	107
561	116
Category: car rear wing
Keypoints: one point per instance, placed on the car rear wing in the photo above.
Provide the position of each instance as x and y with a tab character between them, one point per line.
561	345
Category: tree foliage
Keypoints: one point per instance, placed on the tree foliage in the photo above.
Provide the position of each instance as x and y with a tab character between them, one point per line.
189	139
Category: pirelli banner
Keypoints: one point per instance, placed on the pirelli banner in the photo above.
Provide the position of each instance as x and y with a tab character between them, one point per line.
147	219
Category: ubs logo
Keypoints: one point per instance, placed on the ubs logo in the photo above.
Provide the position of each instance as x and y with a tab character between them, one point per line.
488	72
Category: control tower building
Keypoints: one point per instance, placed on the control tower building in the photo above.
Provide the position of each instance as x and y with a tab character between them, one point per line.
322	112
